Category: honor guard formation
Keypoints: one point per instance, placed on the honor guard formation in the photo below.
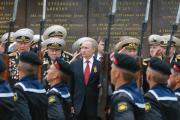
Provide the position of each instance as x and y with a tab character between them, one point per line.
40	80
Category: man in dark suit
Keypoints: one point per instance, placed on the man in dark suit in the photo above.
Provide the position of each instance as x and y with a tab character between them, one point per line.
85	81
100	51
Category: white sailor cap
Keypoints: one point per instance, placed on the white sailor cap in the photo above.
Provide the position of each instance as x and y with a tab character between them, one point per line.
54	43
24	35
154	39
165	39
127	42
12	47
4	38
55	31
36	39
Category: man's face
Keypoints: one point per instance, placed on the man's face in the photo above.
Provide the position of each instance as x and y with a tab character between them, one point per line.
87	49
51	74
155	50
171	51
54	53
113	74
130	52
101	47
172	80
23	46
20	68
148	74
1	48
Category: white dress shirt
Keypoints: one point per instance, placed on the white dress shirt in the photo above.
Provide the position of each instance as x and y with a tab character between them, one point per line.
99	57
91	60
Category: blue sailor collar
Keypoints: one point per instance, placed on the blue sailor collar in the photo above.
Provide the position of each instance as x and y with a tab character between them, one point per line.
162	92
177	92
5	90
31	77
61	89
31	84
133	92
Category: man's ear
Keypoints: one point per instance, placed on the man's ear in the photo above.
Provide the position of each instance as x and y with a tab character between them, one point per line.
148	76
56	75
94	49
177	79
116	73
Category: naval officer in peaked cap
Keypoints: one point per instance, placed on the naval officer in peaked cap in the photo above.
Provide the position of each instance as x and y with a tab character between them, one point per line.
23	38
4	40
58	31
174	44
34	43
54	50
155	48
55	31
127	45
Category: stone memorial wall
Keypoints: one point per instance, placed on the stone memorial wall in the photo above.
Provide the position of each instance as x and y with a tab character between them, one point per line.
90	17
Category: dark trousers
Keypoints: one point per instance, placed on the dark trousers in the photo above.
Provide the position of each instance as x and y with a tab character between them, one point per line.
83	115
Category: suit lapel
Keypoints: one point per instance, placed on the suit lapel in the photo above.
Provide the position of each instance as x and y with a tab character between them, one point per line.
93	71
81	71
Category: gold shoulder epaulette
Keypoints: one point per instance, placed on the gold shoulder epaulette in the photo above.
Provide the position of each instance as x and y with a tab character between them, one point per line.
65	52
12	54
145	61
44	52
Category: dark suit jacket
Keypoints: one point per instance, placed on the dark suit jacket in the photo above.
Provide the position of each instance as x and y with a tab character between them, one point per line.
85	94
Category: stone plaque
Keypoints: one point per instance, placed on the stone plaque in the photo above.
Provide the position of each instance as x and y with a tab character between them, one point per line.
6	9
128	19
72	14
90	17
164	15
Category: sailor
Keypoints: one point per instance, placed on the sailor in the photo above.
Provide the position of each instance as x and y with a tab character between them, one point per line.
59	100
161	102
127	103
32	102
174	80
155	51
7	97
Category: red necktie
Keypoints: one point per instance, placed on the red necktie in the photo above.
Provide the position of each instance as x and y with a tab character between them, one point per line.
87	73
